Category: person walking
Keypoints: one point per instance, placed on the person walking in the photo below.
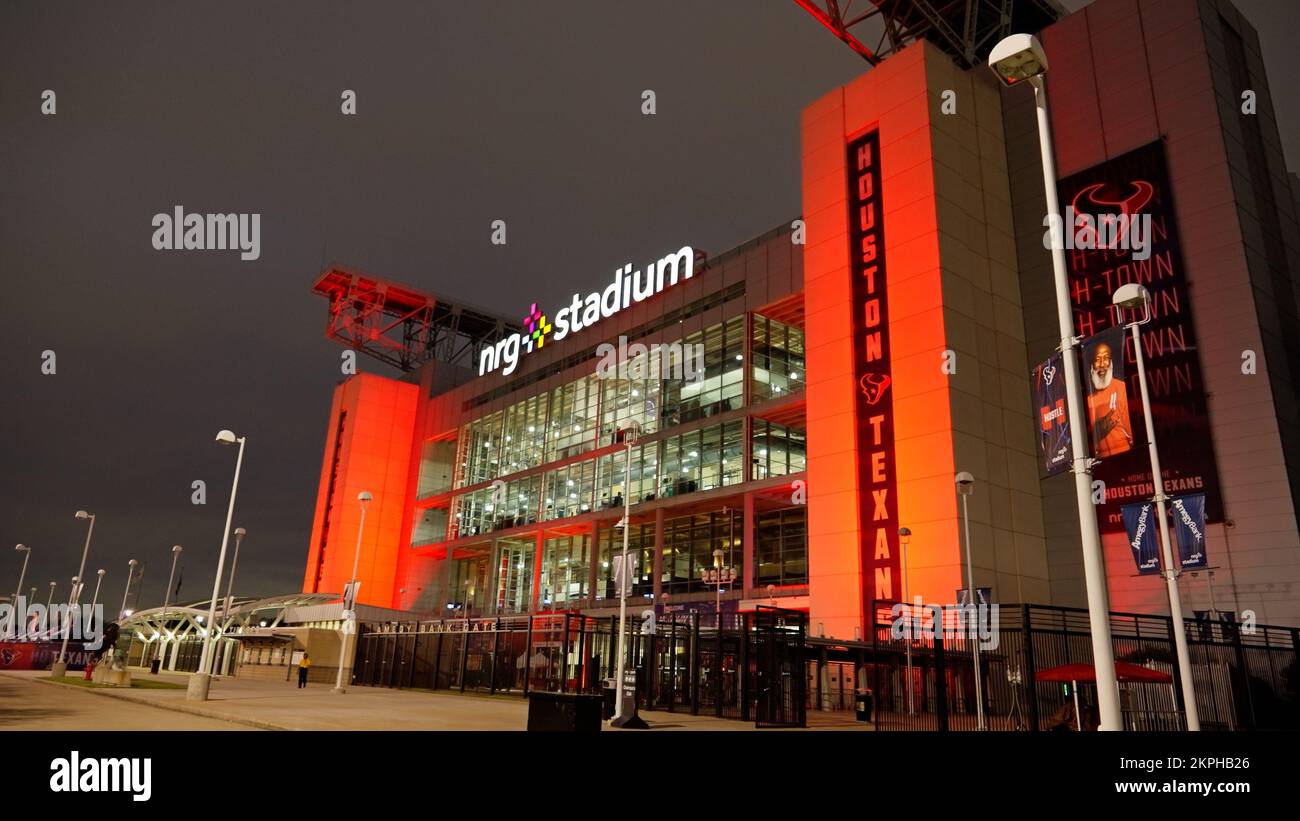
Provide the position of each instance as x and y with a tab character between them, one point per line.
304	664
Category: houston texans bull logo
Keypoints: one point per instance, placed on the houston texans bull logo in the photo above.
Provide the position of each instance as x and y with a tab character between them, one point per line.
1087	201
874	386
1096	220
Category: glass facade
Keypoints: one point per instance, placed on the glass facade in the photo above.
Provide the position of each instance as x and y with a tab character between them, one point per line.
781	547
566	561
559	454
777	450
689	543
778	359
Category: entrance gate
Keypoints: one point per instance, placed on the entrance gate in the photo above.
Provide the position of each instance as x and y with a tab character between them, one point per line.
778	638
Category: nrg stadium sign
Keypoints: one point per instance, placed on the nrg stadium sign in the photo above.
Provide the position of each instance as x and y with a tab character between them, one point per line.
627	288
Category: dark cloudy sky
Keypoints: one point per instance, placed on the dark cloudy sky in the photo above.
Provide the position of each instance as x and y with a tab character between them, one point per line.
527	112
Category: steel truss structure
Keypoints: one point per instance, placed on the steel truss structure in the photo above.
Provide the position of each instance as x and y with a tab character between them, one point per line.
966	29
402	326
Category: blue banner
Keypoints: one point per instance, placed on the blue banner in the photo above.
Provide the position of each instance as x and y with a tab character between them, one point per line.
1140	522
1189	530
1053	421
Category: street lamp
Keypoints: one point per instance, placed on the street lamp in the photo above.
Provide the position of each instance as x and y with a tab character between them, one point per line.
95	599
60	667
905	536
167	597
965	487
201	681
717	576
230	583
49	602
1016	59
630	434
130	571
349	607
1136	298
22	575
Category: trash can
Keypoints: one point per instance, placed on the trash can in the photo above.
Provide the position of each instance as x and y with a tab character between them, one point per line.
154	665
610	694
566	712
863	703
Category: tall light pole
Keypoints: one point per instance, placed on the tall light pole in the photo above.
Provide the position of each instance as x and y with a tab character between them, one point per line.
349	616
965	487
202	680
60	667
130	571
50	602
1134	297
625	581
167	595
230	583
95	599
1020	58
905	536
22	576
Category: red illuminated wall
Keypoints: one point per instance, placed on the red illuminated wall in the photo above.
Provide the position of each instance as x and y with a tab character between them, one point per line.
368	447
892	99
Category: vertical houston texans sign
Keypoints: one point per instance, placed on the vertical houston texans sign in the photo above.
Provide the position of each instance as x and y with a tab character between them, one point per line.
874	407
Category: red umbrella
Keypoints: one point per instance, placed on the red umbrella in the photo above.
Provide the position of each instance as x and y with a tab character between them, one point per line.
1086	672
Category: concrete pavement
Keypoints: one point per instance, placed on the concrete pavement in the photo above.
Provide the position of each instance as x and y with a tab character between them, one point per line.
26	704
280	705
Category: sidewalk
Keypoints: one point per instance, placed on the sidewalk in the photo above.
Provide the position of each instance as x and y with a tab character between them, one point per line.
279	705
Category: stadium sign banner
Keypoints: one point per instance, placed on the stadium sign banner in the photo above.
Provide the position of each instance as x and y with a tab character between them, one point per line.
1136	185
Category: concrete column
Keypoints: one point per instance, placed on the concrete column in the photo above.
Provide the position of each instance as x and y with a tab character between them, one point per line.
659	556
593	567
494	579
537	570
747	538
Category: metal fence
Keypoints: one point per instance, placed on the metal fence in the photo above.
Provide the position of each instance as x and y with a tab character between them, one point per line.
1242	680
746	666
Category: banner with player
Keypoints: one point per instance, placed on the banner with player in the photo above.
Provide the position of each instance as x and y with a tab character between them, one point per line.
1108	417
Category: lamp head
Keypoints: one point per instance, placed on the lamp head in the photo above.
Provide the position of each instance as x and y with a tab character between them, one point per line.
364	497
1131	296
965	483
81	514
240	533
904	533
177	548
101	571
132	563
22	548
226	437
1018	58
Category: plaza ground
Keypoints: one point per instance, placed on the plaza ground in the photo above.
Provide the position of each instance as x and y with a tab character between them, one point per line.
30	701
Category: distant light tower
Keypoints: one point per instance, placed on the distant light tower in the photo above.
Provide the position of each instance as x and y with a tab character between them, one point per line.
230	583
22	576
60	667
130	572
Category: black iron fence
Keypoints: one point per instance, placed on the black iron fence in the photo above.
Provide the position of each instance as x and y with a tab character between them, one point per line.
746	666
1243	678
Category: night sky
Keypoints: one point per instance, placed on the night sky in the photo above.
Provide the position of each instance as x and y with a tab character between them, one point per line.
528	112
